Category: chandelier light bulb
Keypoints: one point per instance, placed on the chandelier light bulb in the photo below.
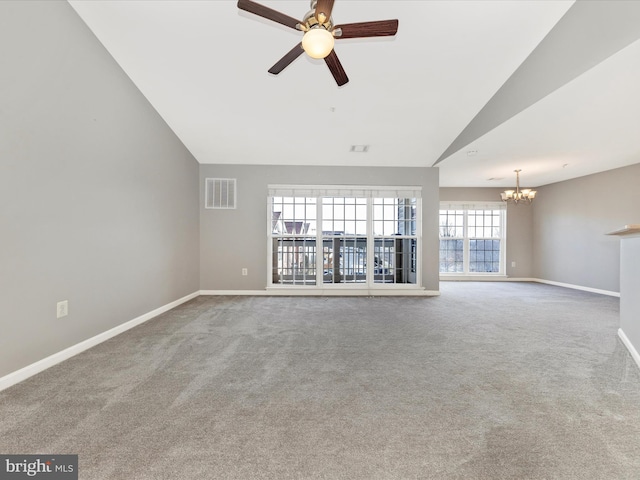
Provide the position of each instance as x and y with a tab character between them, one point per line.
318	42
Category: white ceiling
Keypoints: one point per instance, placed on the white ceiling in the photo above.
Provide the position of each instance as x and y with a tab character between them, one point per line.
203	66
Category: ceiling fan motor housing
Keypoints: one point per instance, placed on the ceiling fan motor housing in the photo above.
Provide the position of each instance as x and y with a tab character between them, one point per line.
310	21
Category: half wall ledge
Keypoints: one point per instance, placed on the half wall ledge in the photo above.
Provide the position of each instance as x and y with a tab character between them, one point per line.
629	287
627	230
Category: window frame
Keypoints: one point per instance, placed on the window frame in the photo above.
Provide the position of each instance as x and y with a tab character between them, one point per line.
367	192
466	238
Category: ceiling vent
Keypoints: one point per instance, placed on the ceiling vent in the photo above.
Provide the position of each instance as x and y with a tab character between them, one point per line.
359	148
220	193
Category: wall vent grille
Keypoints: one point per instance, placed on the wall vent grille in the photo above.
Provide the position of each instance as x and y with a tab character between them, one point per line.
220	193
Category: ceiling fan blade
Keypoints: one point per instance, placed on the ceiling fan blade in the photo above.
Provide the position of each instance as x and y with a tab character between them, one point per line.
336	68
284	62
324	6
268	13
380	28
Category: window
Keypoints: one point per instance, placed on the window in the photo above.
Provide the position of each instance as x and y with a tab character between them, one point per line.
367	235
344	239
294	242
395	240
472	238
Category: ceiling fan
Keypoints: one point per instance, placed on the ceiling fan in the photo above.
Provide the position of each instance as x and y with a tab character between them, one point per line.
319	33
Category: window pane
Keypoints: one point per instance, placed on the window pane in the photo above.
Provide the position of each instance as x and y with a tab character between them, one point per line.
484	256
451	223
394	216
293	216
394	260
350	227
451	256
484	224
344	255
345	260
340	215
294	261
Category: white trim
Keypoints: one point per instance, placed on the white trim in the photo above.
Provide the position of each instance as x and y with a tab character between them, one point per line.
578	287
419	242
319	292
502	278
471	205
489	277
269	242
627	343
41	365
361	191
521	279
371	242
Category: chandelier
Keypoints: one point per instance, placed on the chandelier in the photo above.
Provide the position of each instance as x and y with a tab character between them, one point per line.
516	196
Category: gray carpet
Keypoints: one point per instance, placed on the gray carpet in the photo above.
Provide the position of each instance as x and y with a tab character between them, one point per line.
488	381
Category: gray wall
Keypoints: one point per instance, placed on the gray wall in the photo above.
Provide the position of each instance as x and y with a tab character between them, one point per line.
519	226
570	220
98	198
234	239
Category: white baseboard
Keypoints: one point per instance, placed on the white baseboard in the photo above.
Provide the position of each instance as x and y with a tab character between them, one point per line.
473	278
485	278
480	278
578	287
41	365
325	292
627	343
256	293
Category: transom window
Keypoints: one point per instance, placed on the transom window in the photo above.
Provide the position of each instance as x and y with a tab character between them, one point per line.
343	235
472	238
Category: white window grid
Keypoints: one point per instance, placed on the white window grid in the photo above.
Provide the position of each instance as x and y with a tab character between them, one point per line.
466	223
344	228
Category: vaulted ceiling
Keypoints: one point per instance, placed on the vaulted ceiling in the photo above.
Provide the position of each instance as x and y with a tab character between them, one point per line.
476	88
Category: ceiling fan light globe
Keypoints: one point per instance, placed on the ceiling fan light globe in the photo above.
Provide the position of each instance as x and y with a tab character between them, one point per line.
318	42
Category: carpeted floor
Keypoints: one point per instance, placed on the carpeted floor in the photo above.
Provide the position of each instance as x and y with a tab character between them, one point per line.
488	381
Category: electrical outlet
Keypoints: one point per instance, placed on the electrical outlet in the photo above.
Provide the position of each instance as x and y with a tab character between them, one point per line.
62	308
245	272
513	264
